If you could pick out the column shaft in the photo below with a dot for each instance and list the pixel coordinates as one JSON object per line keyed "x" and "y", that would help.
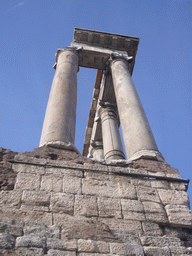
{"x": 60, "y": 117}
{"x": 112, "y": 145}
{"x": 137, "y": 134}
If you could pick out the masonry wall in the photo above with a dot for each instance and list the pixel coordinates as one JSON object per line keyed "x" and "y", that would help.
{"x": 75, "y": 206}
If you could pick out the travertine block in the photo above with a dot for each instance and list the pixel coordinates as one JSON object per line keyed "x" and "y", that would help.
{"x": 85, "y": 205}
{"x": 132, "y": 247}
{"x": 159, "y": 241}
{"x": 38, "y": 216}
{"x": 32, "y": 169}
{"x": 179, "y": 215}
{"x": 53, "y": 252}
{"x": 151, "y": 228}
{"x": 132, "y": 209}
{"x": 96, "y": 167}
{"x": 122, "y": 224}
{"x": 61, "y": 202}
{"x": 7, "y": 241}
{"x": 156, "y": 251}
{"x": 160, "y": 184}
{"x": 147, "y": 194}
{"x": 109, "y": 207}
{"x": 77, "y": 227}
{"x": 58, "y": 244}
{"x": 118, "y": 178}
{"x": 10, "y": 199}
{"x": 140, "y": 182}
{"x": 178, "y": 185}
{"x": 71, "y": 184}
{"x": 52, "y": 183}
{"x": 64, "y": 170}
{"x": 11, "y": 227}
{"x": 36, "y": 200}
{"x": 108, "y": 189}
{"x": 92, "y": 246}
{"x": 181, "y": 250}
{"x": 173, "y": 197}
{"x": 96, "y": 175}
{"x": 155, "y": 212}
{"x": 22, "y": 251}
{"x": 27, "y": 181}
{"x": 40, "y": 229}
{"x": 30, "y": 241}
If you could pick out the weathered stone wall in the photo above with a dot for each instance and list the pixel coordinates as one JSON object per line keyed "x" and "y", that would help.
{"x": 79, "y": 207}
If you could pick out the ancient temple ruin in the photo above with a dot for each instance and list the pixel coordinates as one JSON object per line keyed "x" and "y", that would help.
{"x": 56, "y": 201}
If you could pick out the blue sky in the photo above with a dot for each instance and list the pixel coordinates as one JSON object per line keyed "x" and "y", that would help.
{"x": 32, "y": 30}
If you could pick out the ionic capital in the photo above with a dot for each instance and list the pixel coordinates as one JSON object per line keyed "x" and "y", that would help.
{"x": 75, "y": 50}
{"x": 119, "y": 56}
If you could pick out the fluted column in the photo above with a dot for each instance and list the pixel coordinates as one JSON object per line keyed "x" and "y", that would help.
{"x": 60, "y": 118}
{"x": 112, "y": 145}
{"x": 137, "y": 134}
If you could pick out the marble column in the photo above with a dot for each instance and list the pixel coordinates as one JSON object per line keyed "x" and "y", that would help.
{"x": 112, "y": 145}
{"x": 138, "y": 138}
{"x": 60, "y": 118}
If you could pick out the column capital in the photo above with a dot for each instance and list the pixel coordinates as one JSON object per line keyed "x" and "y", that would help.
{"x": 106, "y": 107}
{"x": 119, "y": 56}
{"x": 68, "y": 48}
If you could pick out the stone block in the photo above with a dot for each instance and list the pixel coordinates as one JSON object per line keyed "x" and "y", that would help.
{"x": 29, "y": 168}
{"x": 86, "y": 205}
{"x": 53, "y": 252}
{"x": 181, "y": 250}
{"x": 96, "y": 167}
{"x": 58, "y": 244}
{"x": 41, "y": 230}
{"x": 109, "y": 207}
{"x": 52, "y": 183}
{"x": 159, "y": 241}
{"x": 178, "y": 185}
{"x": 122, "y": 225}
{"x": 37, "y": 201}
{"x": 140, "y": 182}
{"x": 38, "y": 216}
{"x": 11, "y": 227}
{"x": 105, "y": 188}
{"x": 160, "y": 184}
{"x": 95, "y": 254}
{"x": 115, "y": 178}
{"x": 6, "y": 241}
{"x": 173, "y": 197}
{"x": 155, "y": 212}
{"x": 31, "y": 241}
{"x": 82, "y": 228}
{"x": 156, "y": 251}
{"x": 93, "y": 246}
{"x": 74, "y": 172}
{"x": 96, "y": 175}
{"x": 72, "y": 184}
{"x": 179, "y": 215}
{"x": 151, "y": 228}
{"x": 28, "y": 181}
{"x": 147, "y": 194}
{"x": 132, "y": 209}
{"x": 22, "y": 251}
{"x": 10, "y": 199}
{"x": 132, "y": 247}
{"x": 61, "y": 202}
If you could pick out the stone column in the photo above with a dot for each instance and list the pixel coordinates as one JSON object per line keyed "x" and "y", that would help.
{"x": 138, "y": 138}
{"x": 60, "y": 118}
{"x": 112, "y": 145}
{"x": 96, "y": 150}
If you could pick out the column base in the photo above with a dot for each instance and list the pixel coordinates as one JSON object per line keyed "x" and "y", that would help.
{"x": 61, "y": 145}
{"x": 148, "y": 154}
